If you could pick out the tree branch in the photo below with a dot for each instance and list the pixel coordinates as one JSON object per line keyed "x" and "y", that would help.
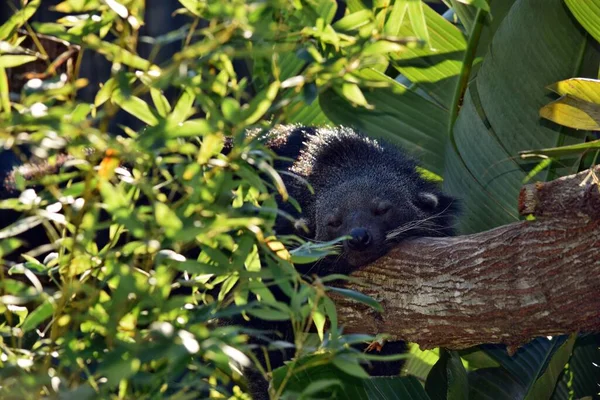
{"x": 507, "y": 285}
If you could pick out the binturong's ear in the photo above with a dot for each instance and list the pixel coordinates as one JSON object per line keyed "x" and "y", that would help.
{"x": 428, "y": 201}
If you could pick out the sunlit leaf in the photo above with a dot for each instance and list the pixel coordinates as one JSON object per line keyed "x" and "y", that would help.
{"x": 573, "y": 112}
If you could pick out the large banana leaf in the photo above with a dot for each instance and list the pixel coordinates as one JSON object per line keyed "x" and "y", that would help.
{"x": 499, "y": 114}
{"x": 400, "y": 115}
{"x": 435, "y": 67}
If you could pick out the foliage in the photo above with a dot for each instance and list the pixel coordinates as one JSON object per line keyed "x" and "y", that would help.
{"x": 145, "y": 259}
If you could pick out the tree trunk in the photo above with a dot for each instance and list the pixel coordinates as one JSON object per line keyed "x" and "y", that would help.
{"x": 507, "y": 285}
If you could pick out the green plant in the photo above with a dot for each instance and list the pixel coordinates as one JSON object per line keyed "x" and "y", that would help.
{"x": 118, "y": 311}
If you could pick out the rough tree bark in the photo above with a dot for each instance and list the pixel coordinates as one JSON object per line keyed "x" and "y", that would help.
{"x": 507, "y": 285}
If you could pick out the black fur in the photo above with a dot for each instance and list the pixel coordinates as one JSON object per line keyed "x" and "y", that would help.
{"x": 361, "y": 187}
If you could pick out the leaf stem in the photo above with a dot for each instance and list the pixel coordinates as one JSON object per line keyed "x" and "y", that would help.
{"x": 467, "y": 65}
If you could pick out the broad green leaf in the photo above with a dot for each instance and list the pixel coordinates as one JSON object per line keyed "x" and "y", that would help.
{"x": 588, "y": 14}
{"x": 434, "y": 68}
{"x": 448, "y": 378}
{"x": 319, "y": 369}
{"x": 573, "y": 112}
{"x": 482, "y": 168}
{"x": 581, "y": 88}
{"x": 477, "y": 3}
{"x": 350, "y": 366}
{"x": 584, "y": 364}
{"x": 544, "y": 385}
{"x": 18, "y": 19}
{"x": 494, "y": 384}
{"x": 420, "y": 362}
{"x": 301, "y": 113}
{"x": 529, "y": 362}
{"x": 417, "y": 19}
{"x": 466, "y": 14}
{"x": 399, "y": 116}
{"x": 396, "y": 18}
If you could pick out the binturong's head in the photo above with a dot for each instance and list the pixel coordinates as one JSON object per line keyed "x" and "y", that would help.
{"x": 372, "y": 193}
{"x": 377, "y": 213}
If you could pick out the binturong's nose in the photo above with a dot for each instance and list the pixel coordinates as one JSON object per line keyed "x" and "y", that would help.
{"x": 360, "y": 240}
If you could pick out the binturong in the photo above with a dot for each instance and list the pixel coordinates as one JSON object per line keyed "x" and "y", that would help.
{"x": 366, "y": 189}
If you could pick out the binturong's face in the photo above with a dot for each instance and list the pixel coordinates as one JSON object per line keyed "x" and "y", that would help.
{"x": 378, "y": 213}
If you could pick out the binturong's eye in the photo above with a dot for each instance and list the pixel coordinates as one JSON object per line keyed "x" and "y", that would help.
{"x": 382, "y": 207}
{"x": 334, "y": 222}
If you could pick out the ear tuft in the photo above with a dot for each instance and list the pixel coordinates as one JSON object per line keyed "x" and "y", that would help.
{"x": 428, "y": 201}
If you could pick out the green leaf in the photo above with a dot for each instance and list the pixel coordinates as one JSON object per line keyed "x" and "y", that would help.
{"x": 417, "y": 19}
{"x": 350, "y": 366}
{"x": 10, "y": 60}
{"x": 477, "y": 3}
{"x": 160, "y": 102}
{"x": 354, "y": 20}
{"x": 167, "y": 218}
{"x": 399, "y": 116}
{"x": 544, "y": 385}
{"x": 494, "y": 384}
{"x": 420, "y": 362}
{"x": 581, "y": 88}
{"x": 105, "y": 92}
{"x": 183, "y": 108}
{"x": 136, "y": 107}
{"x": 191, "y": 127}
{"x": 481, "y": 164}
{"x": 18, "y": 19}
{"x": 193, "y": 6}
{"x": 527, "y": 365}
{"x": 116, "y": 53}
{"x": 255, "y": 110}
{"x": 588, "y": 15}
{"x": 448, "y": 378}
{"x": 269, "y": 314}
{"x": 573, "y": 112}
{"x": 317, "y": 369}
{"x": 4, "y": 92}
{"x": 584, "y": 364}
{"x": 39, "y": 315}
{"x": 362, "y": 298}
{"x": 434, "y": 68}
